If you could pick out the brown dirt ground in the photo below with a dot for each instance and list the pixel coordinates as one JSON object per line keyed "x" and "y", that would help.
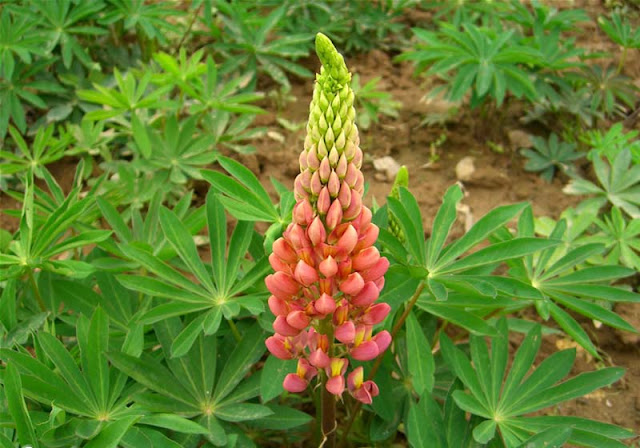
{"x": 501, "y": 179}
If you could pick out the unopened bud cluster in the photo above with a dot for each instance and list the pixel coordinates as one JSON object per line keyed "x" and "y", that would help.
{"x": 328, "y": 275}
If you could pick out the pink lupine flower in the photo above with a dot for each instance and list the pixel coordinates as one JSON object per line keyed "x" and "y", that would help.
{"x": 328, "y": 274}
{"x": 359, "y": 389}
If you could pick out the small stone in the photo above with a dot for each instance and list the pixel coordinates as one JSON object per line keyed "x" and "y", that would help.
{"x": 465, "y": 169}
{"x": 387, "y": 166}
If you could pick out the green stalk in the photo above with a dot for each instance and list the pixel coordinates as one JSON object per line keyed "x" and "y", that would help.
{"x": 234, "y": 330}
{"x": 36, "y": 291}
{"x": 394, "y": 331}
{"x": 622, "y": 60}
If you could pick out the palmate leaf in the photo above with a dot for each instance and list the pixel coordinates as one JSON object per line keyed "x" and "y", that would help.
{"x": 218, "y": 291}
{"x": 190, "y": 385}
{"x": 83, "y": 386}
{"x": 619, "y": 183}
{"x": 620, "y": 238}
{"x": 258, "y": 48}
{"x": 479, "y": 59}
{"x": 44, "y": 231}
{"x": 547, "y": 156}
{"x": 557, "y": 273}
{"x": 445, "y": 268}
{"x": 504, "y": 405}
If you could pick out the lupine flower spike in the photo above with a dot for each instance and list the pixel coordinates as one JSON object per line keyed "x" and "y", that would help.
{"x": 328, "y": 275}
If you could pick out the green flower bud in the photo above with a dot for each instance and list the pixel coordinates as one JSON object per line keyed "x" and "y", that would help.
{"x": 401, "y": 180}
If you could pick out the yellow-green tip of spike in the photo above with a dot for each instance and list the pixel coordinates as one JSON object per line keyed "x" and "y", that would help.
{"x": 402, "y": 177}
{"x": 401, "y": 180}
{"x": 331, "y": 60}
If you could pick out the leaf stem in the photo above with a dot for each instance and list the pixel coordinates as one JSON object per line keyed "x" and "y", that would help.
{"x": 189, "y": 27}
{"x": 234, "y": 330}
{"x": 376, "y": 365}
{"x": 36, "y": 291}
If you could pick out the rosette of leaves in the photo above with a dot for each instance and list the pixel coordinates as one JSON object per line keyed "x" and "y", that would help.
{"x": 619, "y": 30}
{"x": 87, "y": 400}
{"x": 487, "y": 62}
{"x": 539, "y": 17}
{"x": 21, "y": 88}
{"x": 19, "y": 41}
{"x": 499, "y": 399}
{"x": 610, "y": 90}
{"x": 181, "y": 150}
{"x": 222, "y": 288}
{"x": 612, "y": 142}
{"x": 42, "y": 236}
{"x": 547, "y": 156}
{"x": 63, "y": 27}
{"x": 208, "y": 384}
{"x": 621, "y": 239}
{"x": 144, "y": 230}
{"x": 250, "y": 44}
{"x": 619, "y": 183}
{"x": 128, "y": 106}
{"x": 148, "y": 19}
{"x": 371, "y": 102}
{"x": 45, "y": 149}
{"x": 559, "y": 274}
{"x": 479, "y": 11}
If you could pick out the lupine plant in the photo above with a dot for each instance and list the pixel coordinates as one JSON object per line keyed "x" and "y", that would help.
{"x": 328, "y": 273}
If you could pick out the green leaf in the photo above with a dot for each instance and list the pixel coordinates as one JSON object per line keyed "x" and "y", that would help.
{"x": 217, "y": 226}
{"x": 158, "y": 288}
{"x": 488, "y": 224}
{"x": 442, "y": 224}
{"x": 423, "y": 430}
{"x": 173, "y": 422}
{"x": 185, "y": 339}
{"x": 506, "y": 250}
{"x": 273, "y": 374}
{"x": 420, "y": 358}
{"x": 248, "y": 179}
{"x": 150, "y": 374}
{"x": 551, "y": 437}
{"x": 112, "y": 433}
{"x": 239, "y": 412}
{"x": 63, "y": 360}
{"x": 97, "y": 368}
{"x": 156, "y": 266}
{"x": 17, "y": 407}
{"x": 573, "y": 329}
{"x": 575, "y": 387}
{"x": 282, "y": 418}
{"x": 246, "y": 353}
{"x": 182, "y": 241}
{"x": 485, "y": 431}
{"x": 140, "y": 135}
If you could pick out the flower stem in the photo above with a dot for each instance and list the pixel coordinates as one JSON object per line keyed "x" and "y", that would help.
{"x": 36, "y": 291}
{"x": 327, "y": 400}
{"x": 376, "y": 365}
